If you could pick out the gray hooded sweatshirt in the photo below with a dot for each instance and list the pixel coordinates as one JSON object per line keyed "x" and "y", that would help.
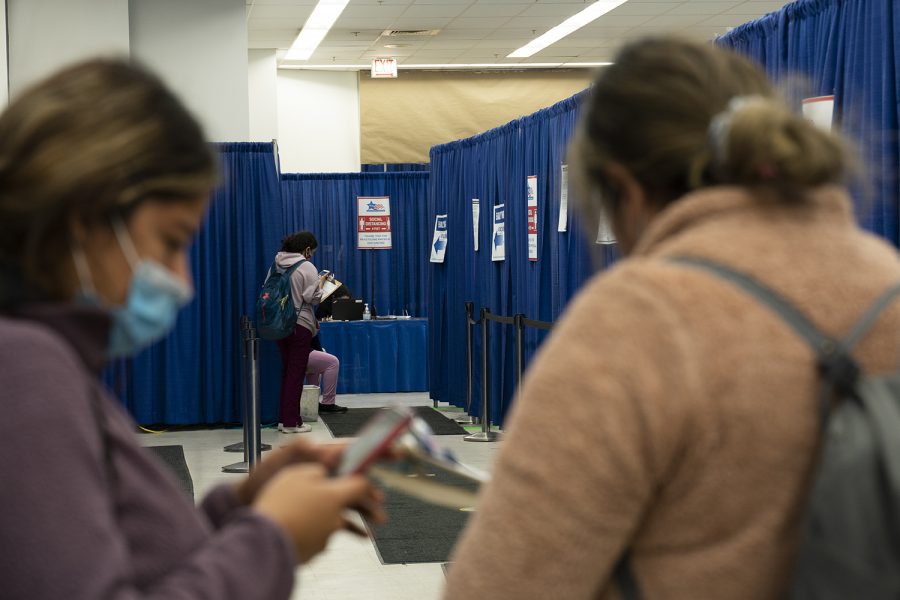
{"x": 305, "y": 288}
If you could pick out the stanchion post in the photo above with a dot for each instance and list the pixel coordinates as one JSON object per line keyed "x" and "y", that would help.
{"x": 470, "y": 309}
{"x": 252, "y": 440}
{"x": 519, "y": 323}
{"x": 249, "y": 402}
{"x": 485, "y": 435}
{"x": 245, "y": 369}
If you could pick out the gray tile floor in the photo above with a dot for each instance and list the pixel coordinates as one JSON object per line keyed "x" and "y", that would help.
{"x": 349, "y": 569}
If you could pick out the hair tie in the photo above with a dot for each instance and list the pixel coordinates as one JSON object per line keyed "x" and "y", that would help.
{"x": 720, "y": 125}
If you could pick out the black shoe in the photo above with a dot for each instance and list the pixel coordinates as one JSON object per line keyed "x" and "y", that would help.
{"x": 331, "y": 408}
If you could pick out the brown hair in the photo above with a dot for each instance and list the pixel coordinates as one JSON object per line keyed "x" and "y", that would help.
{"x": 93, "y": 140}
{"x": 666, "y": 111}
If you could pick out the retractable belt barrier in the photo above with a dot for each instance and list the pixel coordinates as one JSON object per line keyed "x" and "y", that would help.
{"x": 520, "y": 323}
{"x": 250, "y": 401}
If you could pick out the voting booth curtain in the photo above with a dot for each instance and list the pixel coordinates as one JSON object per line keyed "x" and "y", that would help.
{"x": 194, "y": 375}
{"x": 493, "y": 167}
{"x": 846, "y": 49}
{"x": 326, "y": 204}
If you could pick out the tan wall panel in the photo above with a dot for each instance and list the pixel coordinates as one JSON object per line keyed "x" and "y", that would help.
{"x": 401, "y": 119}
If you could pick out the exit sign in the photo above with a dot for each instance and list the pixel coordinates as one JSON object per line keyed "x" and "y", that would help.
{"x": 384, "y": 67}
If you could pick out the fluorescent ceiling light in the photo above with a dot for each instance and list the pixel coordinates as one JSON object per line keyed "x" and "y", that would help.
{"x": 316, "y": 28}
{"x": 573, "y": 23}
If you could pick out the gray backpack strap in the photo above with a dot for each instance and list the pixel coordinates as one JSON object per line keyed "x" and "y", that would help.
{"x": 862, "y": 326}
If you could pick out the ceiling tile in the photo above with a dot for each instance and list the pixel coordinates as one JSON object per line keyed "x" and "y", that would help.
{"x": 364, "y": 11}
{"x": 486, "y": 23}
{"x": 560, "y": 10}
{"x": 406, "y": 23}
{"x": 380, "y": 23}
{"x": 674, "y": 22}
{"x": 434, "y": 10}
{"x": 479, "y": 11}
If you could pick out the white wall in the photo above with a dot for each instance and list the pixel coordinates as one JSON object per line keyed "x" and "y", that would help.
{"x": 4, "y": 70}
{"x": 44, "y": 35}
{"x": 262, "y": 74}
{"x": 318, "y": 121}
{"x": 199, "y": 47}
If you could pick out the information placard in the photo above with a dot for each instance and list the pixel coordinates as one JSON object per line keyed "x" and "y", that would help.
{"x": 439, "y": 241}
{"x": 498, "y": 235}
{"x": 373, "y": 223}
{"x": 532, "y": 218}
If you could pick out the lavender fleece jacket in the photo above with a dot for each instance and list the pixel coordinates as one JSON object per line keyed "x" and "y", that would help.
{"x": 75, "y": 526}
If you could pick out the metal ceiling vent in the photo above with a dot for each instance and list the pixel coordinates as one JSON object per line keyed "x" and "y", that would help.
{"x": 409, "y": 32}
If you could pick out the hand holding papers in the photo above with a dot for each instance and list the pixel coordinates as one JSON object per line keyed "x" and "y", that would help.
{"x": 330, "y": 284}
{"x": 417, "y": 458}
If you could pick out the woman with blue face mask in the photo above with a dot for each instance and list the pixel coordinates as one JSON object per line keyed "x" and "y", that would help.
{"x": 104, "y": 180}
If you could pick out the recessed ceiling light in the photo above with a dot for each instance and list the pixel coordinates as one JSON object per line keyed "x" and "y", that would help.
{"x": 573, "y": 23}
{"x": 396, "y": 45}
{"x": 316, "y": 28}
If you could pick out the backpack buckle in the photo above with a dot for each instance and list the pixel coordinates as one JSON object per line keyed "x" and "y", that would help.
{"x": 838, "y": 368}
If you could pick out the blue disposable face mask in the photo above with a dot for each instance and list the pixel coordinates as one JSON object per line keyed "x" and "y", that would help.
{"x": 155, "y": 296}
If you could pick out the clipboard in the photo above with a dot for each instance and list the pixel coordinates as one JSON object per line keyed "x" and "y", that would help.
{"x": 331, "y": 284}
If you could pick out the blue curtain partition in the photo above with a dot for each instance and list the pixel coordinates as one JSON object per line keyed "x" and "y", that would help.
{"x": 846, "y": 48}
{"x": 194, "y": 375}
{"x": 326, "y": 205}
{"x": 493, "y": 167}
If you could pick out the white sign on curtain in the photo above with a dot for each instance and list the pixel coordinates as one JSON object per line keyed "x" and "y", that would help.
{"x": 476, "y": 215}
{"x": 439, "y": 241}
{"x": 819, "y": 111}
{"x": 373, "y": 223}
{"x": 563, "y": 198}
{"x": 498, "y": 234}
{"x": 532, "y": 186}
{"x": 605, "y": 233}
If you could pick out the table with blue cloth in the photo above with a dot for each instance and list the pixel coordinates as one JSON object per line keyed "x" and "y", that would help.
{"x": 378, "y": 356}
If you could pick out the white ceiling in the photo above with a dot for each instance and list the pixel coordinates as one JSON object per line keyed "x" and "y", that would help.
{"x": 485, "y": 31}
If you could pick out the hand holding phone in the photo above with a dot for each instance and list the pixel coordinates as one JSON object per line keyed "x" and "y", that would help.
{"x": 374, "y": 440}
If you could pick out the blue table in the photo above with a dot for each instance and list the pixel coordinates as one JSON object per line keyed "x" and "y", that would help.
{"x": 379, "y": 356}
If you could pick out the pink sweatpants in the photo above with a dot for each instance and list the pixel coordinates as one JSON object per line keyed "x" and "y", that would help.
{"x": 327, "y": 366}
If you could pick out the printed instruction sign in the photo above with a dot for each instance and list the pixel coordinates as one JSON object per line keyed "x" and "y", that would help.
{"x": 532, "y": 185}
{"x": 498, "y": 234}
{"x": 819, "y": 111}
{"x": 476, "y": 216}
{"x": 439, "y": 242}
{"x": 373, "y": 223}
{"x": 563, "y": 198}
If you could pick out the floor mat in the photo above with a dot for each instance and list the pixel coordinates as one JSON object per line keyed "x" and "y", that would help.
{"x": 349, "y": 423}
{"x": 173, "y": 456}
{"x": 416, "y": 531}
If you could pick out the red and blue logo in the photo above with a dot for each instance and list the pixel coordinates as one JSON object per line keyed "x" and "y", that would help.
{"x": 373, "y": 206}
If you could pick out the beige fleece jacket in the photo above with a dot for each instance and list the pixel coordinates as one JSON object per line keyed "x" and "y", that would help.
{"x": 671, "y": 414}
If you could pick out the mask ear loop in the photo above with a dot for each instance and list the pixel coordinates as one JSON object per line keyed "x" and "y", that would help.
{"x": 125, "y": 242}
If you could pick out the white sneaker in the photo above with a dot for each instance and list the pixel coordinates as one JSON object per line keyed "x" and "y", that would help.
{"x": 304, "y": 428}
